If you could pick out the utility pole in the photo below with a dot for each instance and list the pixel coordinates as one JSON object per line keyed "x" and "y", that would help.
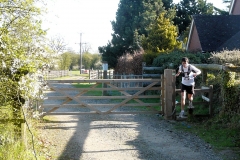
{"x": 80, "y": 44}
{"x": 80, "y": 53}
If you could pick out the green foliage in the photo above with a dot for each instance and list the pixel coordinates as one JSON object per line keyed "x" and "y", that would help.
{"x": 22, "y": 56}
{"x": 96, "y": 62}
{"x": 17, "y": 151}
{"x": 214, "y": 78}
{"x": 167, "y": 4}
{"x": 91, "y": 61}
{"x": 64, "y": 61}
{"x": 133, "y": 20}
{"x": 149, "y": 57}
{"x": 21, "y": 50}
{"x": 226, "y": 95}
{"x": 186, "y": 8}
{"x": 110, "y": 54}
{"x": 226, "y": 88}
{"x": 162, "y": 37}
{"x": 8, "y": 138}
{"x": 71, "y": 60}
{"x": 75, "y": 60}
{"x": 173, "y": 59}
{"x": 230, "y": 94}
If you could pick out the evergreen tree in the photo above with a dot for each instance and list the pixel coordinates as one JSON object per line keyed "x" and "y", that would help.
{"x": 96, "y": 59}
{"x": 161, "y": 38}
{"x": 168, "y": 4}
{"x": 186, "y": 8}
{"x": 133, "y": 19}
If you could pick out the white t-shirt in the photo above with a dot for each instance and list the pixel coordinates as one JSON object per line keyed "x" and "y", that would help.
{"x": 188, "y": 80}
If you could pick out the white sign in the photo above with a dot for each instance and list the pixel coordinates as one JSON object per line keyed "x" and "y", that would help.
{"x": 105, "y": 66}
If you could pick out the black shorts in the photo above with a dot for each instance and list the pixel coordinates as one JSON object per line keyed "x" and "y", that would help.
{"x": 188, "y": 89}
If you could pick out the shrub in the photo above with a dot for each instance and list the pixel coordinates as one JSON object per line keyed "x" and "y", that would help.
{"x": 229, "y": 83}
{"x": 226, "y": 57}
{"x": 130, "y": 63}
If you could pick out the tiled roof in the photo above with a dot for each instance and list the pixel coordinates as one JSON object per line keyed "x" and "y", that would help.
{"x": 215, "y": 31}
{"x": 231, "y": 44}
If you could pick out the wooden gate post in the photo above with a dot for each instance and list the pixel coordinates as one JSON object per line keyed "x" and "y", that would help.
{"x": 211, "y": 99}
{"x": 105, "y": 70}
{"x": 169, "y": 93}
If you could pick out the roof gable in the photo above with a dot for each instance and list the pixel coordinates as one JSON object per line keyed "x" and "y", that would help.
{"x": 215, "y": 30}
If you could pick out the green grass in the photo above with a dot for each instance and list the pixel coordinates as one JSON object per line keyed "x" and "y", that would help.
{"x": 12, "y": 146}
{"x": 77, "y": 73}
{"x": 218, "y": 135}
{"x": 115, "y": 93}
{"x": 213, "y": 130}
{"x": 87, "y": 85}
{"x": 200, "y": 109}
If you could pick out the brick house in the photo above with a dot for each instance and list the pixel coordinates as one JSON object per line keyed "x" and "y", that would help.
{"x": 209, "y": 33}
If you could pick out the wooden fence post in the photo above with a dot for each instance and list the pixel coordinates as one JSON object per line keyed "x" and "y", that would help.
{"x": 169, "y": 90}
{"x": 143, "y": 65}
{"x": 24, "y": 134}
{"x": 173, "y": 93}
{"x": 204, "y": 77}
{"x": 211, "y": 99}
{"x": 162, "y": 94}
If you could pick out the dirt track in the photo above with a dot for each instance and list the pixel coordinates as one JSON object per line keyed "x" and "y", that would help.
{"x": 122, "y": 137}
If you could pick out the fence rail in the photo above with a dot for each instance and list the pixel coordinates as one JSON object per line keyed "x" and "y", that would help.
{"x": 55, "y": 74}
{"x": 99, "y": 74}
{"x": 151, "y": 72}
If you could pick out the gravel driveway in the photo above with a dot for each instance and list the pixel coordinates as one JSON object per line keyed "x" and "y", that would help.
{"x": 121, "y": 137}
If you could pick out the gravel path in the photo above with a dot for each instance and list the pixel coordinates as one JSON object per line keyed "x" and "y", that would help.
{"x": 121, "y": 137}
{"x": 125, "y": 137}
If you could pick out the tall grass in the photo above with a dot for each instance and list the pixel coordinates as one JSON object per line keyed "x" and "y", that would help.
{"x": 13, "y": 145}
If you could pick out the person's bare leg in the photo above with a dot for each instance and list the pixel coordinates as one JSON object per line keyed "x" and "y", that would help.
{"x": 190, "y": 98}
{"x": 183, "y": 98}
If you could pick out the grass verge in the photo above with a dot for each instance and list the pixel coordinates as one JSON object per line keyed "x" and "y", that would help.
{"x": 220, "y": 136}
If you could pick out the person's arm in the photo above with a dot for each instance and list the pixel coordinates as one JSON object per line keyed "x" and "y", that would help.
{"x": 196, "y": 70}
{"x": 179, "y": 71}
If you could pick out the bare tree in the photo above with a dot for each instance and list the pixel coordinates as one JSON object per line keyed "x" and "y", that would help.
{"x": 86, "y": 47}
{"x": 57, "y": 44}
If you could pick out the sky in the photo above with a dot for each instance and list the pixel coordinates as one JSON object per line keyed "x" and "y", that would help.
{"x": 68, "y": 19}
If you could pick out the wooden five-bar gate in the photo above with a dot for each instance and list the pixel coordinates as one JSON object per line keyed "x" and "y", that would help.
{"x": 114, "y": 96}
